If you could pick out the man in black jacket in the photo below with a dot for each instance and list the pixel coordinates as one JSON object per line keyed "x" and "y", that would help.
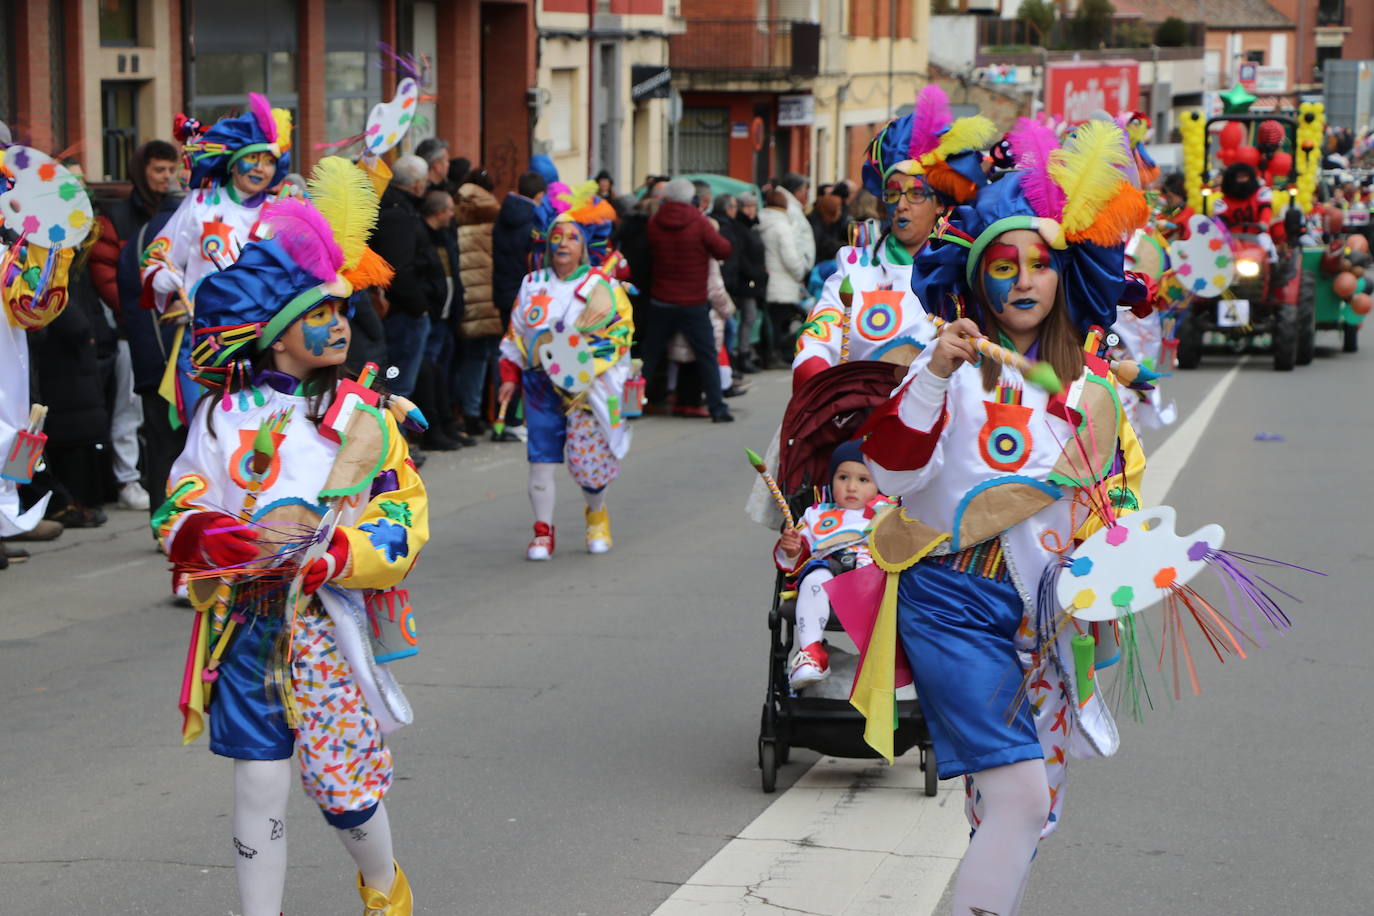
{"x": 403, "y": 239}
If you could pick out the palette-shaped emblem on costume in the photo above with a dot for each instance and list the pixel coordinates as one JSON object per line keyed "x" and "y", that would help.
{"x": 240, "y": 468}
{"x": 388, "y": 122}
{"x": 47, "y": 202}
{"x": 1132, "y": 565}
{"x": 880, "y": 316}
{"x": 1202, "y": 262}
{"x": 1005, "y": 439}
{"x": 566, "y": 355}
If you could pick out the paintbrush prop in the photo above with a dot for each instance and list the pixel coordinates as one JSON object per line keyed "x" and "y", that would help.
{"x": 846, "y": 300}
{"x": 772, "y": 485}
{"x": 1039, "y": 374}
{"x": 499, "y": 426}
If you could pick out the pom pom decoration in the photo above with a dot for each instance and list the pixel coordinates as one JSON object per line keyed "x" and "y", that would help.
{"x": 930, "y": 119}
{"x": 306, "y": 237}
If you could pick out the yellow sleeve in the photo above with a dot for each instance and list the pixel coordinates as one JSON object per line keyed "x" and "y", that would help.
{"x": 386, "y": 540}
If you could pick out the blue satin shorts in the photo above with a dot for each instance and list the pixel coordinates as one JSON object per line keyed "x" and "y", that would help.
{"x": 957, "y": 629}
{"x": 247, "y": 721}
{"x": 546, "y": 422}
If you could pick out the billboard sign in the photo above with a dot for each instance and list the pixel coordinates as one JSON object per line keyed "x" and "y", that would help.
{"x": 1075, "y": 89}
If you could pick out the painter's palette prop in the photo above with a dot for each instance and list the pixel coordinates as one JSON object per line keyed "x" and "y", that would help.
{"x": 388, "y": 122}
{"x": 1202, "y": 262}
{"x": 47, "y": 203}
{"x": 1132, "y": 565}
{"x": 566, "y": 355}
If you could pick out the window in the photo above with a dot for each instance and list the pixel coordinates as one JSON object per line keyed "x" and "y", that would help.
{"x": 352, "y": 78}
{"x": 118, "y": 127}
{"x": 242, "y": 47}
{"x": 704, "y": 137}
{"x": 118, "y": 23}
{"x": 1255, "y": 57}
{"x": 1330, "y": 12}
{"x": 562, "y": 104}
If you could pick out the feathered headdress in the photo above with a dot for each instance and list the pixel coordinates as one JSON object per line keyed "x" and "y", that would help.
{"x": 1075, "y": 196}
{"x": 579, "y": 205}
{"x": 317, "y": 250}
{"x": 929, "y": 142}
{"x": 261, "y": 129}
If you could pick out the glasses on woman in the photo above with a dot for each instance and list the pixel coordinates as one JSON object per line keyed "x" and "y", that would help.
{"x": 914, "y": 194}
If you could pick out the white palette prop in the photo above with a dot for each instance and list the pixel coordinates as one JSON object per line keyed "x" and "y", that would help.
{"x": 1126, "y": 568}
{"x": 566, "y": 356}
{"x": 388, "y": 122}
{"x": 1202, "y": 262}
{"x": 47, "y": 203}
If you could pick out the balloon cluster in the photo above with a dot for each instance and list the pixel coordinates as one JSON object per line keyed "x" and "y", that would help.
{"x": 1350, "y": 261}
{"x": 1311, "y": 125}
{"x": 1193, "y": 127}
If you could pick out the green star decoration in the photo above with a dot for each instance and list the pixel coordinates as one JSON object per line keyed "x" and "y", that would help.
{"x": 1237, "y": 100}
{"x": 397, "y": 512}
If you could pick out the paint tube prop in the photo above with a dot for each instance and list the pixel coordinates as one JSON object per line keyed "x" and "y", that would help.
{"x": 21, "y": 460}
{"x": 1039, "y": 374}
{"x": 772, "y": 485}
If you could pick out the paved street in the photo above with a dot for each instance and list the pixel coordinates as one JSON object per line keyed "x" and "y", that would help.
{"x": 584, "y": 736}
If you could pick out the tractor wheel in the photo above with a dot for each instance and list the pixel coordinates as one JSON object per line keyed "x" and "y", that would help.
{"x": 1285, "y": 338}
{"x": 1307, "y": 319}
{"x": 1352, "y": 338}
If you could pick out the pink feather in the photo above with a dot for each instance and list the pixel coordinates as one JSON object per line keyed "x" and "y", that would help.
{"x": 305, "y": 235}
{"x": 1031, "y": 144}
{"x": 262, "y": 113}
{"x": 929, "y": 119}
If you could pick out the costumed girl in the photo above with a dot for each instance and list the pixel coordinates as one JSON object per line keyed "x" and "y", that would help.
{"x": 918, "y": 165}
{"x": 294, "y": 513}
{"x": 568, "y": 349}
{"x": 997, "y": 477}
{"x": 47, "y": 204}
{"x": 233, "y": 166}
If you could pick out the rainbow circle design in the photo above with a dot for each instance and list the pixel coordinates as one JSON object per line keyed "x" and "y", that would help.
{"x": 535, "y": 314}
{"x": 879, "y": 320}
{"x": 823, "y": 324}
{"x": 1007, "y": 444}
{"x": 828, "y": 522}
{"x": 408, "y": 631}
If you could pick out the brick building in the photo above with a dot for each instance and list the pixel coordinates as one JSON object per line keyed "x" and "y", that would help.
{"x": 101, "y": 76}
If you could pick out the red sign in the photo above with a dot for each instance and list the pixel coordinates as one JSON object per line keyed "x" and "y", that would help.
{"x": 1075, "y": 89}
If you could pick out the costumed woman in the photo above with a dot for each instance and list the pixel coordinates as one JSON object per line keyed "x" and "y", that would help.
{"x": 568, "y": 350}
{"x": 918, "y": 165}
{"x": 996, "y": 483}
{"x": 295, "y": 513}
{"x": 233, "y": 166}
{"x": 48, "y": 204}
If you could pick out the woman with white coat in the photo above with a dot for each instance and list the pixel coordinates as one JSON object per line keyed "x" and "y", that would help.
{"x": 787, "y": 268}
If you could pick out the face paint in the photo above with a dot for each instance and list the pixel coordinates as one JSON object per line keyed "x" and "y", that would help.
{"x": 1000, "y": 269}
{"x": 318, "y": 327}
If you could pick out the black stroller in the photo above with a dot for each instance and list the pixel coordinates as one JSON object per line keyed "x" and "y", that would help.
{"x": 828, "y": 409}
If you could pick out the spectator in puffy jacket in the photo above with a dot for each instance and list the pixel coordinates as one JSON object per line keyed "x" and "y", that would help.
{"x": 403, "y": 240}
{"x": 787, "y": 268}
{"x": 682, "y": 242}
{"x": 481, "y": 325}
{"x": 798, "y": 188}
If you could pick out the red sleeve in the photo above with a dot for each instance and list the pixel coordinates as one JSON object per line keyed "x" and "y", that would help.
{"x": 509, "y": 371}
{"x": 104, "y": 261}
{"x": 814, "y": 365}
{"x": 893, "y": 444}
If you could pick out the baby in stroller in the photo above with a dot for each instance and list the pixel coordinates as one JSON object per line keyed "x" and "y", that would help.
{"x": 832, "y": 538}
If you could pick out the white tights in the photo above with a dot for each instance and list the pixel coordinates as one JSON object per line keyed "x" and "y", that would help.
{"x": 996, "y": 868}
{"x": 813, "y": 607}
{"x": 261, "y": 788}
{"x": 541, "y": 487}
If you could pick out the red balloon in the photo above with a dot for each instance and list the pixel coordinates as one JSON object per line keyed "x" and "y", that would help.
{"x": 1280, "y": 164}
{"x": 1270, "y": 133}
{"x": 1357, "y": 243}
{"x": 1361, "y": 303}
{"x": 1227, "y": 156}
{"x": 1249, "y": 155}
{"x": 1344, "y": 285}
{"x": 1232, "y": 135}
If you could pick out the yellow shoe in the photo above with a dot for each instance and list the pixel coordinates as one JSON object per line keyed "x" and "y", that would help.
{"x": 598, "y": 530}
{"x": 397, "y": 903}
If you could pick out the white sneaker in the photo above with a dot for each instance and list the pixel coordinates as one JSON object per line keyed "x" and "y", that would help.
{"x": 810, "y": 665}
{"x": 133, "y": 496}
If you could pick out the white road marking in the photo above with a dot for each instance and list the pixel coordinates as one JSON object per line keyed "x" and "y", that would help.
{"x": 856, "y": 838}
{"x": 1163, "y": 465}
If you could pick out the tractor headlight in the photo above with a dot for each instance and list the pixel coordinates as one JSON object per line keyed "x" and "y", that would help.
{"x": 1247, "y": 268}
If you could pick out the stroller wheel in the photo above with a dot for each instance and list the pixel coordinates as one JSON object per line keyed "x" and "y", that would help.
{"x": 932, "y": 777}
{"x": 768, "y": 760}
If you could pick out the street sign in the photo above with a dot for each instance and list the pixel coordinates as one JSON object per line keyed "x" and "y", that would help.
{"x": 796, "y": 110}
{"x": 1075, "y": 89}
{"x": 650, "y": 82}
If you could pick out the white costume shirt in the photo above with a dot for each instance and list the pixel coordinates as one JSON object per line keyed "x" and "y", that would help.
{"x": 206, "y": 233}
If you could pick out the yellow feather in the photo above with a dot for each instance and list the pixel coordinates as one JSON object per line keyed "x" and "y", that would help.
{"x": 1086, "y": 167}
{"x": 581, "y": 195}
{"x": 343, "y": 194}
{"x": 283, "y": 119}
{"x": 964, "y": 134}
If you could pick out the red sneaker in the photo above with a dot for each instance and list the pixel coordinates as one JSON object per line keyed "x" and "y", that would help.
{"x": 810, "y": 665}
{"x": 541, "y": 548}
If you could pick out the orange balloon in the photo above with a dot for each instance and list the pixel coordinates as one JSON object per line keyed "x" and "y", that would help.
{"x": 1344, "y": 285}
{"x": 1357, "y": 243}
{"x": 1361, "y": 303}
